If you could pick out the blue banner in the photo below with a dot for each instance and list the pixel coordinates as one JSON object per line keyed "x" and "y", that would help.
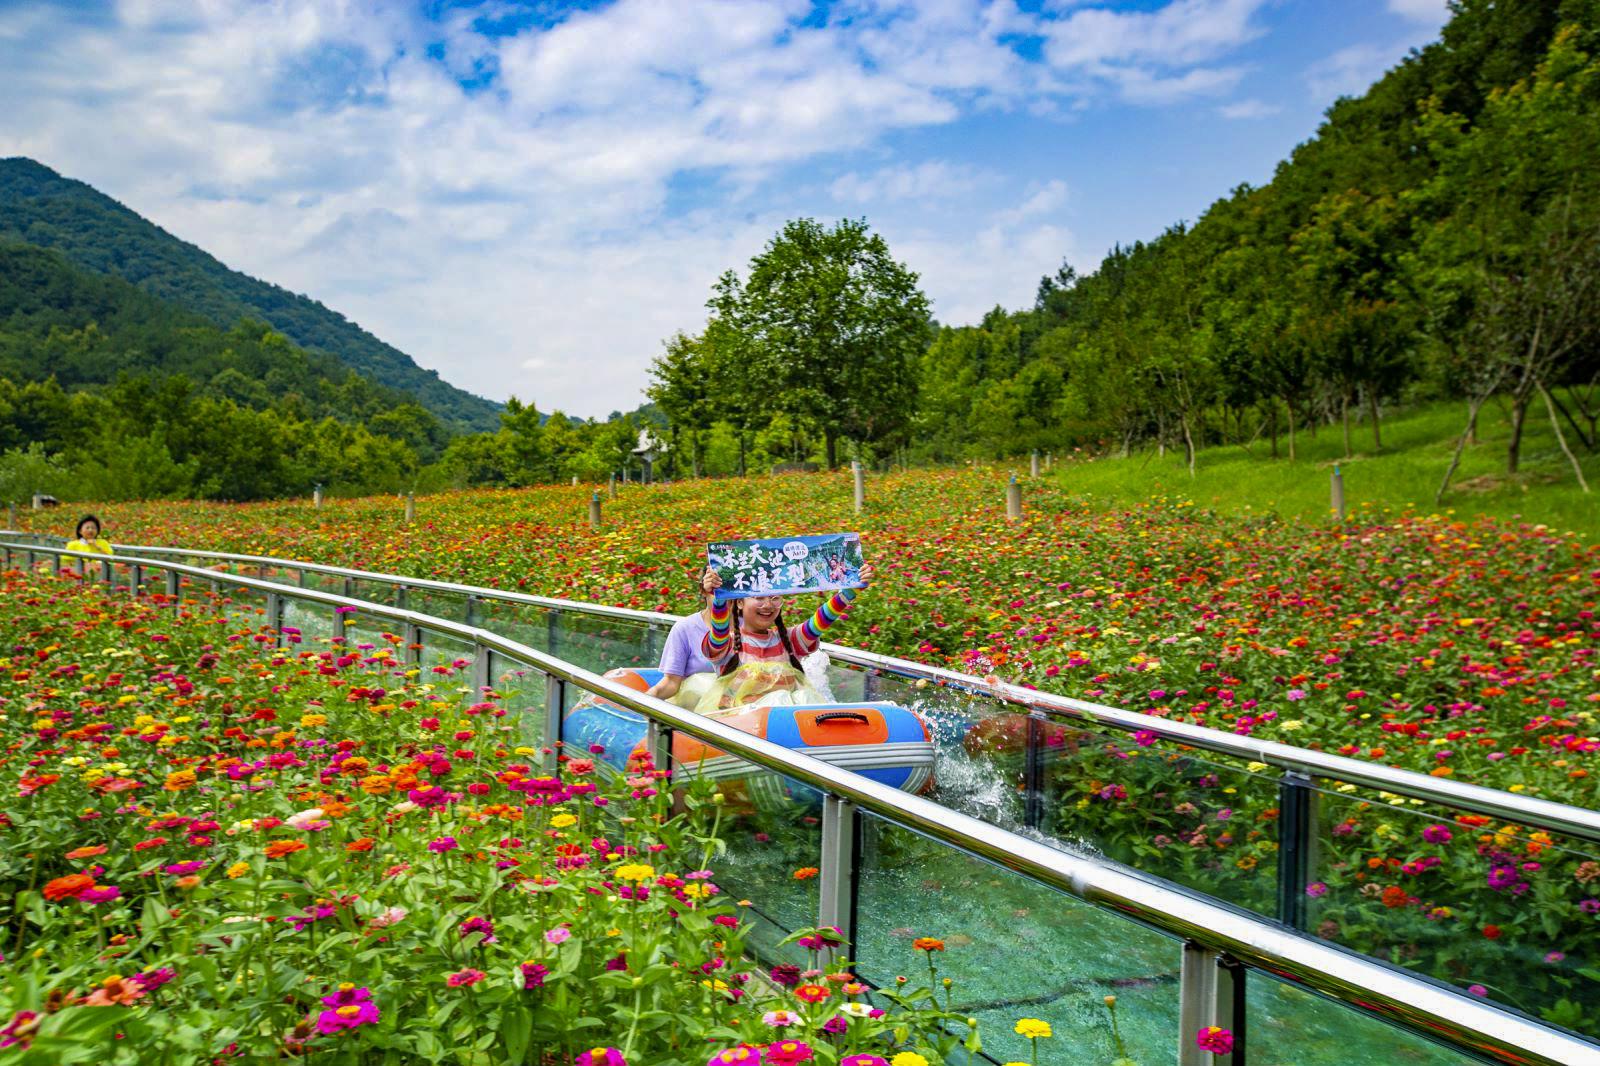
{"x": 783, "y": 566}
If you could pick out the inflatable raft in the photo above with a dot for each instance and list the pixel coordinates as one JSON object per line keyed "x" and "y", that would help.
{"x": 881, "y": 741}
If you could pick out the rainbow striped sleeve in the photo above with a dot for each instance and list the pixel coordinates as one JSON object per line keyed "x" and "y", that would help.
{"x": 830, "y": 612}
{"x": 719, "y": 638}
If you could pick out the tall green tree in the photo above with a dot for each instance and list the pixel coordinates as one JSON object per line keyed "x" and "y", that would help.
{"x": 833, "y": 325}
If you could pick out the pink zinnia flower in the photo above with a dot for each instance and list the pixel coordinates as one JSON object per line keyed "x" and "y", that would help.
{"x": 100, "y": 894}
{"x": 863, "y": 1060}
{"x": 349, "y": 1008}
{"x": 558, "y": 935}
{"x": 1215, "y": 1040}
{"x": 533, "y": 974}
{"x": 465, "y": 977}
{"x": 600, "y": 1056}
{"x": 778, "y": 1019}
{"x": 787, "y": 1052}
{"x": 442, "y": 845}
{"x": 743, "y": 1055}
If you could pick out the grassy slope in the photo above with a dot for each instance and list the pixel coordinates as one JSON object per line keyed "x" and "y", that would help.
{"x": 1405, "y": 474}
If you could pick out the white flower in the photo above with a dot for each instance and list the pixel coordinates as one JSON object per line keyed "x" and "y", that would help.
{"x": 856, "y": 1010}
{"x": 304, "y": 818}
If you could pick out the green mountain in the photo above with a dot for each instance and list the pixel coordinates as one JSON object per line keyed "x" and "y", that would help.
{"x": 40, "y": 207}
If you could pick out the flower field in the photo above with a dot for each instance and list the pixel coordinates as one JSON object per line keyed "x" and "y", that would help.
{"x": 1451, "y": 648}
{"x": 1463, "y": 650}
{"x": 221, "y": 847}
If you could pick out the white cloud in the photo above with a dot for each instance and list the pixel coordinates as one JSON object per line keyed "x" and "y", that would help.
{"x": 1350, "y": 71}
{"x": 1432, "y": 12}
{"x": 1247, "y": 109}
{"x": 540, "y": 233}
{"x": 933, "y": 180}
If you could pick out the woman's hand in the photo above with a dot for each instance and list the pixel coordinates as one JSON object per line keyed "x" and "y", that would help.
{"x": 710, "y": 582}
{"x": 866, "y": 574}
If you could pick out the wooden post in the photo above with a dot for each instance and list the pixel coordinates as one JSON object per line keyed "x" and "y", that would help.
{"x": 411, "y": 507}
{"x": 1013, "y": 500}
{"x": 1337, "y": 492}
{"x": 594, "y": 510}
{"x": 574, "y": 480}
{"x": 611, "y": 489}
{"x": 1033, "y": 464}
{"x": 861, "y": 486}
{"x": 316, "y": 497}
{"x": 1048, "y": 461}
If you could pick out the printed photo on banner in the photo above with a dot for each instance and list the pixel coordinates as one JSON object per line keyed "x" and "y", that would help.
{"x": 781, "y": 566}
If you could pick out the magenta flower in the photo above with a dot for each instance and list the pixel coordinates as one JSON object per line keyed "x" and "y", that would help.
{"x": 600, "y": 1056}
{"x": 464, "y": 978}
{"x": 100, "y": 894}
{"x": 836, "y": 1025}
{"x": 743, "y": 1055}
{"x": 863, "y": 1060}
{"x": 1437, "y": 834}
{"x": 442, "y": 845}
{"x": 479, "y": 925}
{"x": 1317, "y": 888}
{"x": 788, "y": 1052}
{"x": 533, "y": 974}
{"x": 349, "y": 1008}
{"x": 1215, "y": 1040}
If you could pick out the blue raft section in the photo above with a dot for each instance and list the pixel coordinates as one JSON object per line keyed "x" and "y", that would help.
{"x": 881, "y": 741}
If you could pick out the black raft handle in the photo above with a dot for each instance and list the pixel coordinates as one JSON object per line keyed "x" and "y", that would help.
{"x": 836, "y": 716}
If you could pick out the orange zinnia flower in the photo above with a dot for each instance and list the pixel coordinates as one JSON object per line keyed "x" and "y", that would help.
{"x": 86, "y": 852}
{"x": 805, "y": 873}
{"x": 928, "y": 943}
{"x": 68, "y": 887}
{"x": 279, "y": 848}
{"x": 813, "y": 993}
{"x": 364, "y": 844}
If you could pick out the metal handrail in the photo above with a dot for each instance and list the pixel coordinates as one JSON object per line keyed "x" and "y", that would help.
{"x": 1435, "y": 1010}
{"x": 1578, "y": 822}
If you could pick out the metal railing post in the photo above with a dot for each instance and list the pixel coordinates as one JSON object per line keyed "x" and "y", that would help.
{"x": 1033, "y": 774}
{"x": 555, "y": 702}
{"x": 340, "y": 628}
{"x": 1296, "y": 845}
{"x": 411, "y": 653}
{"x": 401, "y": 595}
{"x": 480, "y": 669}
{"x": 136, "y": 579}
{"x": 836, "y": 879}
{"x": 350, "y": 588}
{"x": 106, "y": 573}
{"x": 472, "y": 611}
{"x": 174, "y": 583}
{"x": 658, "y": 743}
{"x": 1210, "y": 993}
{"x": 552, "y": 628}
{"x": 275, "y": 618}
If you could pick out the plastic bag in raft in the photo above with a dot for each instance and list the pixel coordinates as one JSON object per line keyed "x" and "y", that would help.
{"x": 767, "y": 684}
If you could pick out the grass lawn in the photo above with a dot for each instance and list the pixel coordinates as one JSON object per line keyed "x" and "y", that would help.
{"x": 1403, "y": 475}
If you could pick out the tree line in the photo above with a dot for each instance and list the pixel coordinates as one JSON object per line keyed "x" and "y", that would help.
{"x": 1438, "y": 237}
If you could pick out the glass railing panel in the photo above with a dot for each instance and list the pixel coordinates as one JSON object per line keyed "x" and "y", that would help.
{"x": 1508, "y": 911}
{"x": 311, "y": 622}
{"x": 1198, "y": 821}
{"x": 446, "y": 660}
{"x": 1287, "y": 1025}
{"x": 450, "y": 605}
{"x": 599, "y": 644}
{"x": 1013, "y": 949}
{"x": 772, "y": 830}
{"x": 520, "y": 691}
{"x": 520, "y": 622}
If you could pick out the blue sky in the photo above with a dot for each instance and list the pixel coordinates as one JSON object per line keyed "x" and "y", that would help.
{"x": 530, "y": 197}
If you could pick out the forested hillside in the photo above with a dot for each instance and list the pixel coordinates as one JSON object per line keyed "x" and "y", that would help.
{"x": 1439, "y": 237}
{"x": 40, "y": 207}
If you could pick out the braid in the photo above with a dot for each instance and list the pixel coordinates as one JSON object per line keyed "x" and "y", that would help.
{"x": 735, "y": 653}
{"x": 783, "y": 635}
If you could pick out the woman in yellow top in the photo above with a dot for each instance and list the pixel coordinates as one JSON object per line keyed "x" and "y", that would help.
{"x": 89, "y": 538}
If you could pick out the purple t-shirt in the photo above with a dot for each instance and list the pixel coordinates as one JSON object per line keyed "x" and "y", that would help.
{"x": 684, "y": 654}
